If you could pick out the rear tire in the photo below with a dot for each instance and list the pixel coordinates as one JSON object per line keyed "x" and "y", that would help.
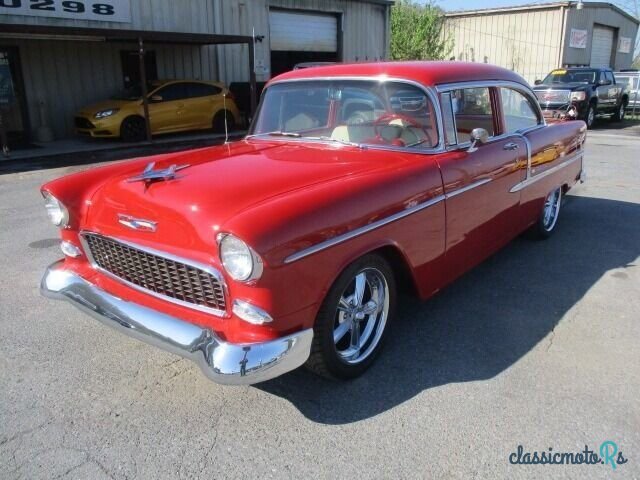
{"x": 354, "y": 319}
{"x": 218, "y": 122}
{"x": 619, "y": 115}
{"x": 546, "y": 224}
{"x": 133, "y": 129}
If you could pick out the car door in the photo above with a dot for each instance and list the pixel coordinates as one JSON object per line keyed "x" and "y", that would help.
{"x": 482, "y": 213}
{"x": 167, "y": 108}
{"x": 606, "y": 94}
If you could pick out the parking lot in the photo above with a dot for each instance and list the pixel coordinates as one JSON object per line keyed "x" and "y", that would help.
{"x": 536, "y": 347}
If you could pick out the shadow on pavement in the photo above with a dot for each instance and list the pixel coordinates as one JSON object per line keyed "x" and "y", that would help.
{"x": 483, "y": 323}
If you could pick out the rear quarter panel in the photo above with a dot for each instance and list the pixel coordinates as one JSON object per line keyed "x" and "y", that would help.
{"x": 558, "y": 148}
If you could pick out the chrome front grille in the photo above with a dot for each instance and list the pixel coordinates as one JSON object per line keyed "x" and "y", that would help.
{"x": 159, "y": 274}
{"x": 553, "y": 96}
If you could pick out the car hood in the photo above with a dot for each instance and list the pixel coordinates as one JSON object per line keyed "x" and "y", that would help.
{"x": 94, "y": 108}
{"x": 214, "y": 185}
{"x": 562, "y": 86}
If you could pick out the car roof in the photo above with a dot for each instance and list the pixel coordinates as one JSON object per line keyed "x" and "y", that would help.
{"x": 428, "y": 73}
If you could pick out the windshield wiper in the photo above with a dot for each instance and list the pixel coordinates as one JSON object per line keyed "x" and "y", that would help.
{"x": 324, "y": 138}
{"x": 276, "y": 133}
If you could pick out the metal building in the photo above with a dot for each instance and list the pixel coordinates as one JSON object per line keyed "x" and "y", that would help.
{"x": 58, "y": 56}
{"x": 534, "y": 39}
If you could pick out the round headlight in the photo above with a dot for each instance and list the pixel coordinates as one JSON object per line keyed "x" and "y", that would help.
{"x": 240, "y": 262}
{"x": 57, "y": 212}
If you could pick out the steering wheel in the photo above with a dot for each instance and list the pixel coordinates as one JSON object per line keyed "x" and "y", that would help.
{"x": 387, "y": 118}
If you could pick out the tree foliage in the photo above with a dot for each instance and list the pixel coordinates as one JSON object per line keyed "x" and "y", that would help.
{"x": 417, "y": 32}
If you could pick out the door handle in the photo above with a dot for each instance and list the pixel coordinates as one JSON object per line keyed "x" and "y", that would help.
{"x": 511, "y": 146}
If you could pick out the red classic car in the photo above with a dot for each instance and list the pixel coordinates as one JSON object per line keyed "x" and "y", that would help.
{"x": 290, "y": 246}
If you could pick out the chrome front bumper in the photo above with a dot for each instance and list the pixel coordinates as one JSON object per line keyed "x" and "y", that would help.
{"x": 224, "y": 363}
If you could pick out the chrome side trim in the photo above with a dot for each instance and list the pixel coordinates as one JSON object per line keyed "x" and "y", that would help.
{"x": 533, "y": 179}
{"x": 361, "y": 230}
{"x": 381, "y": 78}
{"x": 466, "y": 188}
{"x": 207, "y": 268}
{"x": 223, "y": 362}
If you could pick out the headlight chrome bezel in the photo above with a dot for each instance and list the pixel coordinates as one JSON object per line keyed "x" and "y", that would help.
{"x": 256, "y": 268}
{"x": 51, "y": 203}
{"x": 106, "y": 113}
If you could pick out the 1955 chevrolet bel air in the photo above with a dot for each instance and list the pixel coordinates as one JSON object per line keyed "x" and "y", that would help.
{"x": 289, "y": 247}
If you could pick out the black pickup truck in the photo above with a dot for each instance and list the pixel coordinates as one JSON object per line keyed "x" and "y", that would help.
{"x": 582, "y": 92}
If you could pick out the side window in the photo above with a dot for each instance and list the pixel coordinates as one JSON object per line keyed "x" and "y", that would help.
{"x": 518, "y": 111}
{"x": 195, "y": 90}
{"x": 610, "y": 77}
{"x": 472, "y": 109}
{"x": 175, "y": 91}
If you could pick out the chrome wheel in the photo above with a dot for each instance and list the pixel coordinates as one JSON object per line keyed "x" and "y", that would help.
{"x": 361, "y": 316}
{"x": 551, "y": 210}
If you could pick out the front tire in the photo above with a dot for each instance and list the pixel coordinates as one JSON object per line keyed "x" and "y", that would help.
{"x": 548, "y": 219}
{"x": 619, "y": 115}
{"x": 590, "y": 116}
{"x": 133, "y": 129}
{"x": 354, "y": 319}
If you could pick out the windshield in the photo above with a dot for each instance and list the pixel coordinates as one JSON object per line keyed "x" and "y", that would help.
{"x": 571, "y": 76}
{"x": 349, "y": 111}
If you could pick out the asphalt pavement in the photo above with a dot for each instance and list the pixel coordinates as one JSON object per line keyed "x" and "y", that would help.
{"x": 538, "y": 346}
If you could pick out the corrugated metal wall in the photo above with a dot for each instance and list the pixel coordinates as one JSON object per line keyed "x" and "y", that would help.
{"x": 527, "y": 42}
{"x": 585, "y": 19}
{"x": 69, "y": 74}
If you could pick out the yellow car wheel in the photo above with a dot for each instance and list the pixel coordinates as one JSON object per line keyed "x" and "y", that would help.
{"x": 133, "y": 129}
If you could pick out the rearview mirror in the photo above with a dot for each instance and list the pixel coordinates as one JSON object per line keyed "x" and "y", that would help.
{"x": 156, "y": 98}
{"x": 478, "y": 135}
{"x": 538, "y": 82}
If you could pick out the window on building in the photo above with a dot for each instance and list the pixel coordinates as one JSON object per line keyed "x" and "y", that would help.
{"x": 518, "y": 111}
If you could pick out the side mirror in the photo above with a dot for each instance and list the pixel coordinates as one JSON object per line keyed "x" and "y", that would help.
{"x": 538, "y": 82}
{"x": 156, "y": 98}
{"x": 604, "y": 82}
{"x": 478, "y": 135}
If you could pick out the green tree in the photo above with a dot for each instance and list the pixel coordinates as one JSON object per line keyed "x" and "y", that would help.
{"x": 417, "y": 32}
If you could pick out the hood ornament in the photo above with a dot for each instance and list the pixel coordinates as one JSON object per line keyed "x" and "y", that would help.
{"x": 149, "y": 174}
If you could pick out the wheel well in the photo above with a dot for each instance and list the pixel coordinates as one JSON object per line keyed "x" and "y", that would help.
{"x": 400, "y": 267}
{"x": 593, "y": 101}
{"x": 625, "y": 99}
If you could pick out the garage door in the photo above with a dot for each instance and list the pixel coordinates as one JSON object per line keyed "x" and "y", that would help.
{"x": 303, "y": 32}
{"x": 601, "y": 46}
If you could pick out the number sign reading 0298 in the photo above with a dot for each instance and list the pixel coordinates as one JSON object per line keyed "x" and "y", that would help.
{"x": 100, "y": 10}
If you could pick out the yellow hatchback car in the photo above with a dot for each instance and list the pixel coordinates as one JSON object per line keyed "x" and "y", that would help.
{"x": 174, "y": 106}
